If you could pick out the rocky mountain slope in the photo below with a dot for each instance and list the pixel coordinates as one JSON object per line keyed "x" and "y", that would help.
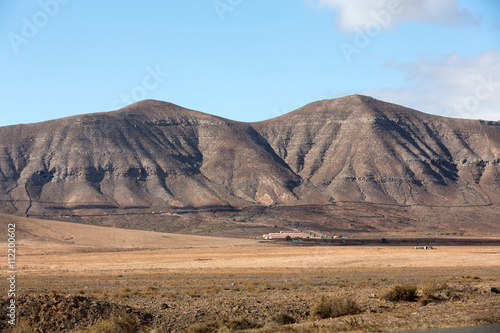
{"x": 154, "y": 155}
{"x": 360, "y": 149}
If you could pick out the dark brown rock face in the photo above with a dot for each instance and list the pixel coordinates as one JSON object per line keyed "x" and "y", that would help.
{"x": 155, "y": 155}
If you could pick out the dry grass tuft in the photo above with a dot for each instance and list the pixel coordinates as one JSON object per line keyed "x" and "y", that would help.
{"x": 241, "y": 323}
{"x": 327, "y": 307}
{"x": 170, "y": 294}
{"x": 194, "y": 292}
{"x": 211, "y": 290}
{"x": 113, "y": 325}
{"x": 401, "y": 292}
{"x": 433, "y": 286}
{"x": 210, "y": 327}
{"x": 235, "y": 324}
{"x": 22, "y": 328}
{"x": 267, "y": 286}
{"x": 151, "y": 289}
{"x": 280, "y": 318}
{"x": 288, "y": 286}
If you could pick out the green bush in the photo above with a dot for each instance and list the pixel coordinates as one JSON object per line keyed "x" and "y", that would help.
{"x": 327, "y": 307}
{"x": 401, "y": 292}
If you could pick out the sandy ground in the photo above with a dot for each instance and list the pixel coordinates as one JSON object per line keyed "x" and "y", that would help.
{"x": 206, "y": 278}
{"x": 48, "y": 245}
{"x": 255, "y": 255}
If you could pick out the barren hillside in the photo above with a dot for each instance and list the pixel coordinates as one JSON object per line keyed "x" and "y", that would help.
{"x": 155, "y": 156}
{"x": 360, "y": 149}
{"x": 35, "y": 236}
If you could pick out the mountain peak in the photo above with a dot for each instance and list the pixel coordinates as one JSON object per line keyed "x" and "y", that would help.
{"x": 147, "y": 103}
{"x": 358, "y": 97}
{"x": 343, "y": 108}
{"x": 160, "y": 110}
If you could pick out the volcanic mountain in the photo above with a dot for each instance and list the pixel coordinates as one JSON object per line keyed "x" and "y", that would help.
{"x": 361, "y": 149}
{"x": 157, "y": 156}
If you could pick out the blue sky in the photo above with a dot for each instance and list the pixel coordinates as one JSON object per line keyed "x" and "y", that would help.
{"x": 247, "y": 60}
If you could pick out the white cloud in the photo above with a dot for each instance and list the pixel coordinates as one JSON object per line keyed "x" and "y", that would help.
{"x": 353, "y": 15}
{"x": 453, "y": 86}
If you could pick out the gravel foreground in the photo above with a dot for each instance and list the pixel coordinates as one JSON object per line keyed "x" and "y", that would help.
{"x": 254, "y": 300}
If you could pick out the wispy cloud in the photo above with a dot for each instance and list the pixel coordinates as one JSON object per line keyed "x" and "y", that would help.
{"x": 454, "y": 86}
{"x": 353, "y": 15}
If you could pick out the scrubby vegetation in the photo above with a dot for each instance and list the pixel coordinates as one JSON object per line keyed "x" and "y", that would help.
{"x": 280, "y": 318}
{"x": 113, "y": 325}
{"x": 254, "y": 301}
{"x": 401, "y": 292}
{"x": 332, "y": 307}
{"x": 230, "y": 325}
{"x": 22, "y": 328}
{"x": 241, "y": 323}
{"x": 210, "y": 327}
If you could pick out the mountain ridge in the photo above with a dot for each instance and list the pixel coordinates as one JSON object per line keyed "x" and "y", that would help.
{"x": 154, "y": 155}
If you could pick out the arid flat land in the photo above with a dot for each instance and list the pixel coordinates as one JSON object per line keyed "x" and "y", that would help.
{"x": 171, "y": 282}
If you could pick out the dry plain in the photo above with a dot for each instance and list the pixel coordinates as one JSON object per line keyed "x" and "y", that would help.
{"x": 71, "y": 276}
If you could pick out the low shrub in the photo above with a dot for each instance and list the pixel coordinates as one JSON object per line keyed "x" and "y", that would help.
{"x": 151, "y": 289}
{"x": 289, "y": 286}
{"x": 327, "y": 307}
{"x": 433, "y": 286}
{"x": 194, "y": 292}
{"x": 280, "y": 318}
{"x": 170, "y": 294}
{"x": 425, "y": 300}
{"x": 210, "y": 327}
{"x": 401, "y": 292}
{"x": 21, "y": 328}
{"x": 113, "y": 325}
{"x": 230, "y": 325}
{"x": 267, "y": 286}
{"x": 241, "y": 323}
{"x": 211, "y": 290}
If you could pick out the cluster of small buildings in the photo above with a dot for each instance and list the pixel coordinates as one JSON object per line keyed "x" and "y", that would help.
{"x": 292, "y": 235}
{"x": 424, "y": 248}
{"x": 296, "y": 235}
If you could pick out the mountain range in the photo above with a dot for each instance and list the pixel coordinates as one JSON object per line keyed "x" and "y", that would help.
{"x": 157, "y": 156}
